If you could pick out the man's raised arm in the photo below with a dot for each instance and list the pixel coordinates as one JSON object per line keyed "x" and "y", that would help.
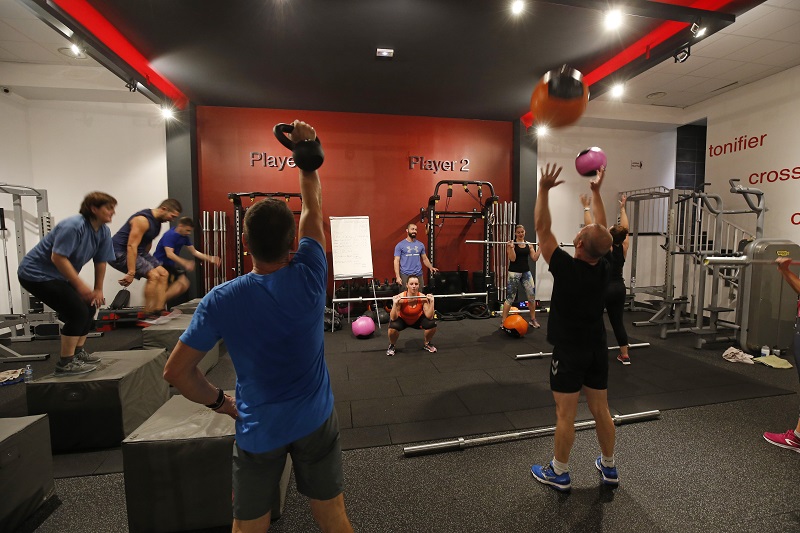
{"x": 547, "y": 241}
{"x": 310, "y": 189}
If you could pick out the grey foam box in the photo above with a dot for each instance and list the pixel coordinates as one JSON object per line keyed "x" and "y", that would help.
{"x": 166, "y": 336}
{"x": 98, "y": 409}
{"x": 26, "y": 468}
{"x": 178, "y": 470}
{"x": 188, "y": 308}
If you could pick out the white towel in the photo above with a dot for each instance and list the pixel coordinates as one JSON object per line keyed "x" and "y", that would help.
{"x": 735, "y": 355}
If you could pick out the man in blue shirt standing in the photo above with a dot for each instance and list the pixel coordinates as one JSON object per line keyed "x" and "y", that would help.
{"x": 409, "y": 256}
{"x": 271, "y": 320}
{"x": 168, "y": 252}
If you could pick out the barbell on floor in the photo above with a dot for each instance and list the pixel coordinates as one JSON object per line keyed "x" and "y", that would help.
{"x": 544, "y": 354}
{"x": 462, "y": 443}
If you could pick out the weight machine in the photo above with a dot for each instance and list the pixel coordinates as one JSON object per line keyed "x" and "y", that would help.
{"x": 695, "y": 294}
{"x": 33, "y": 320}
{"x": 430, "y": 215}
{"x": 238, "y": 221}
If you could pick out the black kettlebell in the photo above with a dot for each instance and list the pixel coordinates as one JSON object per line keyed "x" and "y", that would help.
{"x": 307, "y": 155}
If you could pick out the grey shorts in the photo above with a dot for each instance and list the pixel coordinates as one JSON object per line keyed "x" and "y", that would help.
{"x": 144, "y": 263}
{"x": 317, "y": 463}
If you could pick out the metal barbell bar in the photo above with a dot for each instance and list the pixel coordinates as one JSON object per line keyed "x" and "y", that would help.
{"x": 539, "y": 355}
{"x": 462, "y": 443}
{"x": 739, "y": 260}
{"x": 515, "y": 242}
{"x": 436, "y": 296}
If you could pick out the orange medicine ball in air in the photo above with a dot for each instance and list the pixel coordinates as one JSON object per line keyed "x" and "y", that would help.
{"x": 560, "y": 98}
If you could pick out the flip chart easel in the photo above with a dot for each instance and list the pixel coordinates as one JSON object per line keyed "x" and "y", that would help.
{"x": 351, "y": 247}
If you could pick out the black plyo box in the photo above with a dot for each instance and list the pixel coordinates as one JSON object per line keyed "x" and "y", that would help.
{"x": 98, "y": 409}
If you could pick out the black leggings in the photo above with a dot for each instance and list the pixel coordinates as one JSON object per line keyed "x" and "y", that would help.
{"x": 615, "y": 305}
{"x": 77, "y": 315}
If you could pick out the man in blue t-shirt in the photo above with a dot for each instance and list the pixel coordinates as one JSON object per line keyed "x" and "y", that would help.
{"x": 271, "y": 320}
{"x": 577, "y": 332}
{"x": 409, "y": 256}
{"x": 168, "y": 253}
{"x": 51, "y": 272}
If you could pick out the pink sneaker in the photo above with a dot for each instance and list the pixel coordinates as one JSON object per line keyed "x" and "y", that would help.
{"x": 786, "y": 440}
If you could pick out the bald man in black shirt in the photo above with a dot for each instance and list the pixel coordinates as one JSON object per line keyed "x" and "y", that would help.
{"x": 577, "y": 332}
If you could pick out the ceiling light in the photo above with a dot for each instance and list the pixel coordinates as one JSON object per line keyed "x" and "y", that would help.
{"x": 517, "y": 7}
{"x": 617, "y": 90}
{"x": 656, "y": 95}
{"x": 682, "y": 54}
{"x": 613, "y": 19}
{"x": 541, "y": 131}
{"x": 166, "y": 112}
{"x": 72, "y": 52}
{"x": 384, "y": 53}
{"x": 698, "y": 30}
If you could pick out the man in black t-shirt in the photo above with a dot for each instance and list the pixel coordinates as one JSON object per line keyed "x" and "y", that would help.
{"x": 576, "y": 330}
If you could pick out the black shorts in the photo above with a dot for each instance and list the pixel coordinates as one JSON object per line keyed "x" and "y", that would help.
{"x": 317, "y": 464}
{"x": 174, "y": 271}
{"x": 575, "y": 367}
{"x": 423, "y": 323}
{"x": 77, "y": 315}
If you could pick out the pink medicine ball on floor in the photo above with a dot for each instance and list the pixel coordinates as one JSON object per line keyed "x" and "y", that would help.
{"x": 363, "y": 327}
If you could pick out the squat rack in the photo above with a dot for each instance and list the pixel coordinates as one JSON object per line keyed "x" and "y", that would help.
{"x": 238, "y": 217}
{"x": 14, "y": 320}
{"x": 429, "y": 215}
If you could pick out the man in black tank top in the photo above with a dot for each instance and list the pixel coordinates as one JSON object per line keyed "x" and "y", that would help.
{"x": 577, "y": 332}
{"x": 132, "y": 244}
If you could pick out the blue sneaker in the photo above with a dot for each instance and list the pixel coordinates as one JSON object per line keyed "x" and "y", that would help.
{"x": 546, "y": 474}
{"x": 610, "y": 476}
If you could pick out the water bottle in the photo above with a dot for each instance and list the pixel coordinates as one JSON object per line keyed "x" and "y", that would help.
{"x": 28, "y": 374}
{"x": 765, "y": 350}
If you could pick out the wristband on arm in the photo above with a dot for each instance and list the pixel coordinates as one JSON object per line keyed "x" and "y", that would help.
{"x": 220, "y": 400}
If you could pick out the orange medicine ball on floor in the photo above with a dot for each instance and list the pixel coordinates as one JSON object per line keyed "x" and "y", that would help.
{"x": 515, "y": 325}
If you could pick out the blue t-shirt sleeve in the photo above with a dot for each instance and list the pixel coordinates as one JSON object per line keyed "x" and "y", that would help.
{"x": 311, "y": 256}
{"x": 173, "y": 239}
{"x": 202, "y": 333}
{"x": 105, "y": 248}
{"x": 398, "y": 249}
{"x": 66, "y": 240}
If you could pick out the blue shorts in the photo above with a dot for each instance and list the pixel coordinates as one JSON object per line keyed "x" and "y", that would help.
{"x": 144, "y": 263}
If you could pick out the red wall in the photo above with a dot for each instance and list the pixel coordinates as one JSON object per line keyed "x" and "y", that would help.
{"x": 366, "y": 172}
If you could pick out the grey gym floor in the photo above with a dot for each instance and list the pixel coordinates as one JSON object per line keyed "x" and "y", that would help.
{"x": 695, "y": 469}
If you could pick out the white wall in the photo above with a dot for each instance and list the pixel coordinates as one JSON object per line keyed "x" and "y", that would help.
{"x": 769, "y": 108}
{"x": 72, "y": 148}
{"x": 654, "y": 150}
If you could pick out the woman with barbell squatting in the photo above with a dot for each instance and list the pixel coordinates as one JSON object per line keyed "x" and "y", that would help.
{"x": 412, "y": 309}
{"x": 615, "y": 294}
{"x": 519, "y": 274}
